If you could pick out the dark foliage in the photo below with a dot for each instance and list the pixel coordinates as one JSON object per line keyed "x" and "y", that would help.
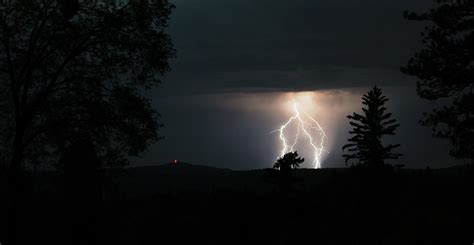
{"x": 445, "y": 70}
{"x": 365, "y": 146}
{"x": 73, "y": 69}
{"x": 289, "y": 161}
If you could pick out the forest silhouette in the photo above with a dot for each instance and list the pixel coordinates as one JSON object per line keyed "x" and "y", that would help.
{"x": 71, "y": 76}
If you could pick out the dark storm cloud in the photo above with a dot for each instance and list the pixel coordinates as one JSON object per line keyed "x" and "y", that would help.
{"x": 290, "y": 45}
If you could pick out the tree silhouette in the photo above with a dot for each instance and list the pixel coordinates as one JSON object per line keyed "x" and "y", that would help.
{"x": 444, "y": 68}
{"x": 288, "y": 162}
{"x": 72, "y": 69}
{"x": 365, "y": 146}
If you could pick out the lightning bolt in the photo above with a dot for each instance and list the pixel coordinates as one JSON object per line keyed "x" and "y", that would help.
{"x": 309, "y": 127}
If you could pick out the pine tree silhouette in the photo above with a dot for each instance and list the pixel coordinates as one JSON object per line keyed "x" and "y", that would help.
{"x": 365, "y": 146}
{"x": 444, "y": 70}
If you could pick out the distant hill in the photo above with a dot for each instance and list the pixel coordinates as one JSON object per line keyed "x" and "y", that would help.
{"x": 179, "y": 168}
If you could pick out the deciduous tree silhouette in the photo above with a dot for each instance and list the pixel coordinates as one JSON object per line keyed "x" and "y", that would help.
{"x": 286, "y": 164}
{"x": 71, "y": 69}
{"x": 365, "y": 146}
{"x": 445, "y": 70}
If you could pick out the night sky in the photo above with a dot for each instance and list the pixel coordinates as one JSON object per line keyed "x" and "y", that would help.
{"x": 240, "y": 62}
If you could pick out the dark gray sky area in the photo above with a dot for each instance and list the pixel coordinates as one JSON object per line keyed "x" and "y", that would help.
{"x": 240, "y": 62}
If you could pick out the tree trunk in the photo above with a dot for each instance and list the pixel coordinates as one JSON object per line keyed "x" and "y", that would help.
{"x": 13, "y": 175}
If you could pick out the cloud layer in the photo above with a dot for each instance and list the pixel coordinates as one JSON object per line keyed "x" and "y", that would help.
{"x": 290, "y": 45}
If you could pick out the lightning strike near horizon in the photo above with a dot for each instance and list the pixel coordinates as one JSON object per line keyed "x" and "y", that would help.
{"x": 307, "y": 125}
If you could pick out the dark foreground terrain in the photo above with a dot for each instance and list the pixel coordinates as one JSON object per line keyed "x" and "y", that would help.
{"x": 203, "y": 205}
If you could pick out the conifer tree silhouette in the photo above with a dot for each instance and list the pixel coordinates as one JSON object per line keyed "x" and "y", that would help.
{"x": 445, "y": 72}
{"x": 365, "y": 146}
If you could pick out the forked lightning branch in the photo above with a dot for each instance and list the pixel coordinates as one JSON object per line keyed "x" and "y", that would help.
{"x": 308, "y": 129}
